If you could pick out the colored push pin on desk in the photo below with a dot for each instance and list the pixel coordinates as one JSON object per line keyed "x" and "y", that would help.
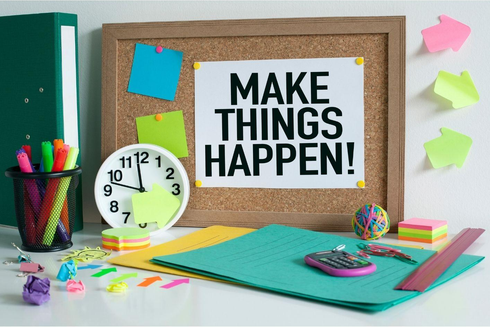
{"x": 159, "y": 49}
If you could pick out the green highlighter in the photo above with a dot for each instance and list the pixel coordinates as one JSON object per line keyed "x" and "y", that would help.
{"x": 47, "y": 152}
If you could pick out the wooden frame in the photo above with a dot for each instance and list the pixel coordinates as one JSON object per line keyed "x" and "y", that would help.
{"x": 393, "y": 28}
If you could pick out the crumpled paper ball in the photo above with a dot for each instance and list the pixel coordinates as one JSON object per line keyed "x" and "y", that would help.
{"x": 36, "y": 290}
{"x": 74, "y": 286}
{"x": 68, "y": 270}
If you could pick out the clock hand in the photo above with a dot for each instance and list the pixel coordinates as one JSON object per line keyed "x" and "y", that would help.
{"x": 131, "y": 187}
{"x": 142, "y": 189}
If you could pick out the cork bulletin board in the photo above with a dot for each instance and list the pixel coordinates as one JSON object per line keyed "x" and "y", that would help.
{"x": 380, "y": 40}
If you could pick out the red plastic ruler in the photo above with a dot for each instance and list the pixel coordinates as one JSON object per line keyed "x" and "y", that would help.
{"x": 431, "y": 269}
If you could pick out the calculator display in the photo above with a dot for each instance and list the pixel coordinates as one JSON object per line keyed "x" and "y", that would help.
{"x": 340, "y": 263}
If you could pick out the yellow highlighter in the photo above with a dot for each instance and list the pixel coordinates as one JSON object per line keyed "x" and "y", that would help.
{"x": 59, "y": 198}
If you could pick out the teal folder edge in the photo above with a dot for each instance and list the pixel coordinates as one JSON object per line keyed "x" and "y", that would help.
{"x": 198, "y": 261}
{"x": 38, "y": 38}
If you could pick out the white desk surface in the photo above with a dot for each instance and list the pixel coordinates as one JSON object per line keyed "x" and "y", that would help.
{"x": 464, "y": 300}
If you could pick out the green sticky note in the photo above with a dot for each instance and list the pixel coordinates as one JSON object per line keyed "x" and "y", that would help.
{"x": 460, "y": 90}
{"x": 450, "y": 148}
{"x": 166, "y": 130}
{"x": 157, "y": 205}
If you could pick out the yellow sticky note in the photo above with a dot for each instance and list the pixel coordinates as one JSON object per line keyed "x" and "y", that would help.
{"x": 450, "y": 148}
{"x": 166, "y": 130}
{"x": 200, "y": 239}
{"x": 157, "y": 205}
{"x": 460, "y": 90}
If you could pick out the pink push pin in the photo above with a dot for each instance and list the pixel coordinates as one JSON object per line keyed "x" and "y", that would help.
{"x": 159, "y": 49}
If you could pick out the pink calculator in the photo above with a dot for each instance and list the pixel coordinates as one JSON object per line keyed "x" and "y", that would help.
{"x": 340, "y": 263}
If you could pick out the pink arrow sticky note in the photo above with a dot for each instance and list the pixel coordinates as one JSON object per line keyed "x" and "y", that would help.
{"x": 448, "y": 34}
{"x": 176, "y": 282}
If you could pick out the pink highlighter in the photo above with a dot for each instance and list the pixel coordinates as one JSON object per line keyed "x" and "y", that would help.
{"x": 340, "y": 263}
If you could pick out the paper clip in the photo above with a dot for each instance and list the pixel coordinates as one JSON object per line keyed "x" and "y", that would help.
{"x": 385, "y": 251}
{"x": 362, "y": 254}
{"x": 23, "y": 257}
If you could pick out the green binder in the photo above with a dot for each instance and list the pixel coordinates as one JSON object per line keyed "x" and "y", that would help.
{"x": 38, "y": 93}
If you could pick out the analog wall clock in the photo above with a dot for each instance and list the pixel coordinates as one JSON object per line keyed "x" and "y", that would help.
{"x": 142, "y": 185}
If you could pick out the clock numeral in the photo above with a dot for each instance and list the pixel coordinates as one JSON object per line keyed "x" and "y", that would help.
{"x": 143, "y": 225}
{"x": 170, "y": 172}
{"x": 107, "y": 190}
{"x": 176, "y": 190}
{"x": 123, "y": 161}
{"x": 127, "y": 216}
{"x": 114, "y": 206}
{"x": 142, "y": 158}
{"x": 116, "y": 175}
{"x": 159, "y": 161}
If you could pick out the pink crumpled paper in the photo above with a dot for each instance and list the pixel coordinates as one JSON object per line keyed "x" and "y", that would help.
{"x": 74, "y": 286}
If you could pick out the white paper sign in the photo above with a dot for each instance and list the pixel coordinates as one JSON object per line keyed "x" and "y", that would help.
{"x": 293, "y": 123}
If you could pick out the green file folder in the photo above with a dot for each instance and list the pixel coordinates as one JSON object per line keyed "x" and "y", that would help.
{"x": 38, "y": 93}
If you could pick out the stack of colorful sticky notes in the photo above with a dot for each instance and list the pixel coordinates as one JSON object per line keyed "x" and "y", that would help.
{"x": 422, "y": 230}
{"x": 125, "y": 239}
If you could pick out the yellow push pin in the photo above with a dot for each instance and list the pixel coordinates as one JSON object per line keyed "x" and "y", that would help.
{"x": 360, "y": 60}
{"x": 196, "y": 65}
{"x": 198, "y": 183}
{"x": 361, "y": 184}
{"x": 158, "y": 117}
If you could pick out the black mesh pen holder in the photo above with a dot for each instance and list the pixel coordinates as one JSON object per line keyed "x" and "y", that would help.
{"x": 45, "y": 208}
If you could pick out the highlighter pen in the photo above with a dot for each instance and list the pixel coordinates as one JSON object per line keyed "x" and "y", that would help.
{"x": 24, "y": 151}
{"x": 60, "y": 197}
{"x": 59, "y": 162}
{"x": 35, "y": 200}
{"x": 64, "y": 211}
{"x": 47, "y": 156}
{"x": 27, "y": 149}
{"x": 49, "y": 196}
{"x": 58, "y": 144}
{"x": 26, "y": 167}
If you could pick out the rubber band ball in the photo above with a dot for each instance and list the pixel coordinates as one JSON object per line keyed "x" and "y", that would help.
{"x": 371, "y": 222}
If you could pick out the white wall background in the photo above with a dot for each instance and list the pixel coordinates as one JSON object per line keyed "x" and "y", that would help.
{"x": 457, "y": 195}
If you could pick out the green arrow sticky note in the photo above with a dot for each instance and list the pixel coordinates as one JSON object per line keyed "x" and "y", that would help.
{"x": 103, "y": 272}
{"x": 157, "y": 205}
{"x": 124, "y": 277}
{"x": 450, "y": 148}
{"x": 166, "y": 130}
{"x": 460, "y": 90}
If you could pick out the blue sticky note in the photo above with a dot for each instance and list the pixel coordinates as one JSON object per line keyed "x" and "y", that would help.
{"x": 155, "y": 74}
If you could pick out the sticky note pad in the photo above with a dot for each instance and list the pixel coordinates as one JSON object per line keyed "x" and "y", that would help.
{"x": 450, "y": 148}
{"x": 123, "y": 239}
{"x": 422, "y": 224}
{"x": 155, "y": 74}
{"x": 157, "y": 205}
{"x": 460, "y": 90}
{"x": 166, "y": 130}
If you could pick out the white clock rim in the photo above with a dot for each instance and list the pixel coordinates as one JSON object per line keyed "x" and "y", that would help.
{"x": 173, "y": 158}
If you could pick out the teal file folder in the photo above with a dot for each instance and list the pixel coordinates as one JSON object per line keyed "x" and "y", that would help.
{"x": 38, "y": 93}
{"x": 272, "y": 258}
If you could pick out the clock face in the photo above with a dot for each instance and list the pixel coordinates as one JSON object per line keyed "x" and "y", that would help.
{"x": 147, "y": 172}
